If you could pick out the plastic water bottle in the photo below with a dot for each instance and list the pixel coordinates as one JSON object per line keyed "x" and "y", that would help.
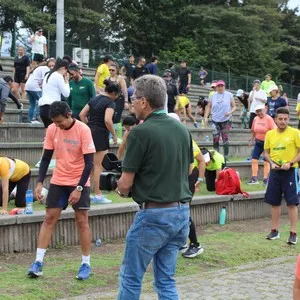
{"x": 98, "y": 242}
{"x": 29, "y": 202}
{"x": 202, "y": 123}
{"x": 207, "y": 138}
{"x": 222, "y": 218}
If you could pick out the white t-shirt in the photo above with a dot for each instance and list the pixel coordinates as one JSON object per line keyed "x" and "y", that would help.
{"x": 53, "y": 89}
{"x": 35, "y": 80}
{"x": 220, "y": 105}
{"x": 257, "y": 95}
{"x": 38, "y": 44}
{"x": 298, "y": 98}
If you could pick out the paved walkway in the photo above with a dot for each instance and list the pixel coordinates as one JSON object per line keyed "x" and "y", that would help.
{"x": 270, "y": 279}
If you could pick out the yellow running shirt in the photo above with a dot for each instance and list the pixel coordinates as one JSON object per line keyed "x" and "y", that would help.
{"x": 103, "y": 71}
{"x": 218, "y": 161}
{"x": 283, "y": 146}
{"x": 13, "y": 170}
{"x": 183, "y": 101}
{"x": 196, "y": 151}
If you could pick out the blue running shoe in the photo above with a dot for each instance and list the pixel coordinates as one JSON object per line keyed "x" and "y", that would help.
{"x": 84, "y": 272}
{"x": 36, "y": 269}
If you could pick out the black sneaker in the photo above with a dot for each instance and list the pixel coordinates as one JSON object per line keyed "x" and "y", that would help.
{"x": 183, "y": 248}
{"x": 274, "y": 234}
{"x": 292, "y": 239}
{"x": 193, "y": 251}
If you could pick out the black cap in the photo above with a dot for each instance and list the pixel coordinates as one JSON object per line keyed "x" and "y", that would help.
{"x": 39, "y": 29}
{"x": 73, "y": 67}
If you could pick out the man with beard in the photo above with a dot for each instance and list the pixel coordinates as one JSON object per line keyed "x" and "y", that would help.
{"x": 81, "y": 90}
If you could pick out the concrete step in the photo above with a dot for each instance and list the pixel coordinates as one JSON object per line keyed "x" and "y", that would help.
{"x": 31, "y": 152}
{"x": 11, "y": 104}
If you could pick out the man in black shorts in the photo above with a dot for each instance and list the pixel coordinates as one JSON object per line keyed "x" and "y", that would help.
{"x": 282, "y": 151}
{"x": 184, "y": 78}
{"x": 172, "y": 91}
{"x": 69, "y": 184}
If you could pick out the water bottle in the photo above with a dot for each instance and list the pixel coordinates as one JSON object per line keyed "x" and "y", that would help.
{"x": 29, "y": 202}
{"x": 98, "y": 242}
{"x": 207, "y": 138}
{"x": 222, "y": 218}
{"x": 202, "y": 123}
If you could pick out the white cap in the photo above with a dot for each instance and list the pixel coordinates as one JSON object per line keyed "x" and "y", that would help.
{"x": 239, "y": 93}
{"x": 272, "y": 88}
{"x": 206, "y": 157}
{"x": 259, "y": 106}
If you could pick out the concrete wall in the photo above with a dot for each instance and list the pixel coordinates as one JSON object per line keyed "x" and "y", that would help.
{"x": 110, "y": 222}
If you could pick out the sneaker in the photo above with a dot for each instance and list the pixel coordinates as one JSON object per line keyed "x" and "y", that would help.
{"x": 35, "y": 122}
{"x": 193, "y": 251}
{"x": 265, "y": 182}
{"x": 253, "y": 180}
{"x": 274, "y": 234}
{"x": 36, "y": 269}
{"x": 183, "y": 248}
{"x": 97, "y": 199}
{"x": 84, "y": 272}
{"x": 196, "y": 125}
{"x": 292, "y": 239}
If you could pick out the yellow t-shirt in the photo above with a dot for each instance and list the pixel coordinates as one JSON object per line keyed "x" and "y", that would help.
{"x": 196, "y": 151}
{"x": 210, "y": 93}
{"x": 183, "y": 101}
{"x": 283, "y": 146}
{"x": 103, "y": 71}
{"x": 19, "y": 171}
{"x": 298, "y": 109}
{"x": 219, "y": 161}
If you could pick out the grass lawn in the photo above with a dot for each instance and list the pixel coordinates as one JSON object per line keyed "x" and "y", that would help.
{"x": 229, "y": 246}
{"x": 117, "y": 199}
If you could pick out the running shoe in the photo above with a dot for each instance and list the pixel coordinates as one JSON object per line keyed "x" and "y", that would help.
{"x": 292, "y": 239}
{"x": 100, "y": 199}
{"x": 253, "y": 180}
{"x": 183, "y": 248}
{"x": 36, "y": 269}
{"x": 193, "y": 251}
{"x": 274, "y": 234}
{"x": 265, "y": 182}
{"x": 84, "y": 272}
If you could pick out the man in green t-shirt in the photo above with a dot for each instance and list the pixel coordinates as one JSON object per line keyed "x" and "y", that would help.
{"x": 155, "y": 168}
{"x": 81, "y": 90}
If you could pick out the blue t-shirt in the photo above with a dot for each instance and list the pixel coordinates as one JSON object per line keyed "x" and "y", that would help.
{"x": 274, "y": 104}
{"x": 220, "y": 105}
{"x": 152, "y": 68}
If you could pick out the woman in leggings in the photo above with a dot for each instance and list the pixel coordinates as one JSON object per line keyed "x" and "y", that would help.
{"x": 13, "y": 173}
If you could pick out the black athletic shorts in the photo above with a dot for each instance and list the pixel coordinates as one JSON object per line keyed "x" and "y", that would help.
{"x": 58, "y": 196}
{"x": 37, "y": 57}
{"x": 101, "y": 138}
{"x": 282, "y": 182}
{"x": 20, "y": 78}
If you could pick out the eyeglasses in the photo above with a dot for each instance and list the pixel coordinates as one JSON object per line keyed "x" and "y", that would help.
{"x": 112, "y": 70}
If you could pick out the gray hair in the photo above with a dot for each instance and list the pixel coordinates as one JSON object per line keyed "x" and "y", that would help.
{"x": 153, "y": 88}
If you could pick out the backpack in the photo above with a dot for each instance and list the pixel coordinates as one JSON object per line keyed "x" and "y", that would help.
{"x": 228, "y": 183}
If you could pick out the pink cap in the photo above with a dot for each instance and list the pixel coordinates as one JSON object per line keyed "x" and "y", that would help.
{"x": 220, "y": 82}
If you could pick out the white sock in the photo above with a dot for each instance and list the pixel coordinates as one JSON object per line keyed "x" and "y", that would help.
{"x": 86, "y": 260}
{"x": 40, "y": 253}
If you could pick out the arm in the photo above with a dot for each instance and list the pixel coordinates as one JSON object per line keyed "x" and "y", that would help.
{"x": 125, "y": 183}
{"x": 123, "y": 71}
{"x": 84, "y": 113}
{"x": 207, "y": 111}
{"x": 27, "y": 72}
{"x": 45, "y": 49}
{"x": 124, "y": 89}
{"x": 268, "y": 159}
{"x": 64, "y": 86}
{"x": 233, "y": 107}
{"x": 122, "y": 147}
{"x": 14, "y": 72}
{"x": 109, "y": 112}
{"x": 289, "y": 165}
{"x": 189, "y": 79}
{"x": 31, "y": 39}
{"x": 5, "y": 184}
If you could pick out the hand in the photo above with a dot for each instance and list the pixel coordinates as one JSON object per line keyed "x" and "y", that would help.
{"x": 126, "y": 133}
{"x": 97, "y": 91}
{"x": 26, "y": 77}
{"x": 67, "y": 77}
{"x": 74, "y": 197}
{"x": 205, "y": 121}
{"x": 115, "y": 138}
{"x": 227, "y": 114}
{"x": 250, "y": 142}
{"x": 197, "y": 186}
{"x": 274, "y": 166}
{"x": 3, "y": 212}
{"x": 126, "y": 105}
{"x": 188, "y": 86}
{"x": 286, "y": 166}
{"x": 38, "y": 192}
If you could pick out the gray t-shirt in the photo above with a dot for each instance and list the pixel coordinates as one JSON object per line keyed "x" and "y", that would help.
{"x": 220, "y": 105}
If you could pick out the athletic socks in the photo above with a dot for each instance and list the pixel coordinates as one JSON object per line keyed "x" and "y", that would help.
{"x": 40, "y": 253}
{"x": 86, "y": 260}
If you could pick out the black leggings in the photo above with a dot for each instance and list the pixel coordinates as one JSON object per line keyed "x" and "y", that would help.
{"x": 44, "y": 114}
{"x": 210, "y": 178}
{"x": 192, "y": 181}
{"x": 22, "y": 186}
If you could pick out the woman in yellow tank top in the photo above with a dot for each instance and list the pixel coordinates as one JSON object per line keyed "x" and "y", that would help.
{"x": 13, "y": 173}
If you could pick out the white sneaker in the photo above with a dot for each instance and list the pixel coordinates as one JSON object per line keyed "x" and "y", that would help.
{"x": 97, "y": 199}
{"x": 35, "y": 122}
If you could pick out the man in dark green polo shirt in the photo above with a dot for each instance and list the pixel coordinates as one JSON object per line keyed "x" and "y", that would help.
{"x": 156, "y": 166}
{"x": 81, "y": 90}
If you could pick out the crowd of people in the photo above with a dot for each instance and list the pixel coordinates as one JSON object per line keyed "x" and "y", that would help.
{"x": 82, "y": 118}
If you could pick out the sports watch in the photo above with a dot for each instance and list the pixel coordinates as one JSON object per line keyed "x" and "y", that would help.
{"x": 79, "y": 188}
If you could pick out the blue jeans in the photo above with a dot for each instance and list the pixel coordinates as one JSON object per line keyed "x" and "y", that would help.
{"x": 33, "y": 111}
{"x": 156, "y": 234}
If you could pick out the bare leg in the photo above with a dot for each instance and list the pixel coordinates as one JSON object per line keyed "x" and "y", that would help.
{"x": 1, "y": 117}
{"x": 276, "y": 212}
{"x": 98, "y": 169}
{"x": 15, "y": 90}
{"x": 23, "y": 91}
{"x": 52, "y": 215}
{"x": 84, "y": 230}
{"x": 293, "y": 216}
{"x": 189, "y": 113}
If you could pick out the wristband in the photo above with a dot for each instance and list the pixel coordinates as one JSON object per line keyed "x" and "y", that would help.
{"x": 291, "y": 164}
{"x": 200, "y": 179}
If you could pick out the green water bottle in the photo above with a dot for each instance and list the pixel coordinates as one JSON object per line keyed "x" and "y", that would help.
{"x": 222, "y": 218}
{"x": 118, "y": 130}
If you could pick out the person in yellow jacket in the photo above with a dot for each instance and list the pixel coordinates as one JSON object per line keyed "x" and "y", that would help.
{"x": 183, "y": 104}
{"x": 13, "y": 173}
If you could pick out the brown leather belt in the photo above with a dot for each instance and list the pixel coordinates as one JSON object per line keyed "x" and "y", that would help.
{"x": 160, "y": 205}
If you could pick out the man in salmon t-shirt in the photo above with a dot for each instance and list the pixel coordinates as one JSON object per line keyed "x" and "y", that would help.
{"x": 73, "y": 144}
{"x": 261, "y": 124}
